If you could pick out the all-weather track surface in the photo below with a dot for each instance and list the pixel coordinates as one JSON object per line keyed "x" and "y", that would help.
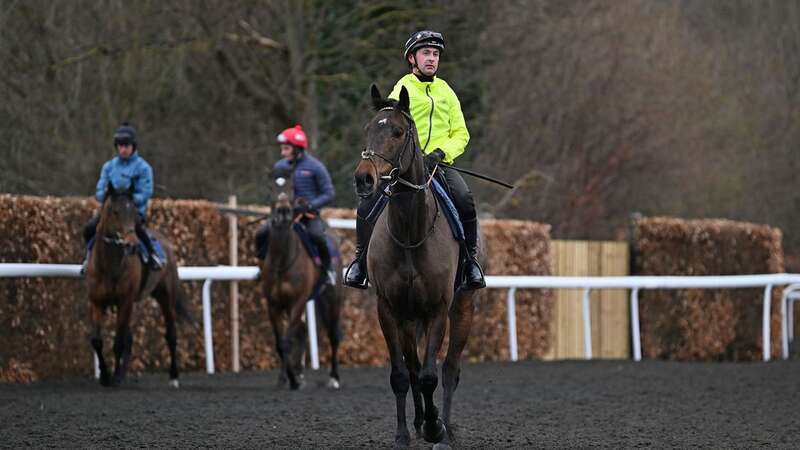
{"x": 568, "y": 404}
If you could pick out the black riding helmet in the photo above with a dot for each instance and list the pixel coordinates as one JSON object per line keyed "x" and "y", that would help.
{"x": 424, "y": 38}
{"x": 125, "y": 134}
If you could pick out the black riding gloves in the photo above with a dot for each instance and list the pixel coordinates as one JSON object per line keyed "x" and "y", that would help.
{"x": 302, "y": 208}
{"x": 433, "y": 158}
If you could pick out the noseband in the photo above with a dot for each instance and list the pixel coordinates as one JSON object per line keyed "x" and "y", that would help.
{"x": 394, "y": 175}
{"x": 117, "y": 240}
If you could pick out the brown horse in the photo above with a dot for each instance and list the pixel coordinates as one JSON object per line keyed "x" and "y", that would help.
{"x": 413, "y": 261}
{"x": 117, "y": 277}
{"x": 289, "y": 276}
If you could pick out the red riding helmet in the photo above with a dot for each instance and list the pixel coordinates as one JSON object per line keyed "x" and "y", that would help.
{"x": 293, "y": 136}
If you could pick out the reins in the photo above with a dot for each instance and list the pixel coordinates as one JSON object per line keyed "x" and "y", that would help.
{"x": 394, "y": 177}
{"x": 397, "y": 167}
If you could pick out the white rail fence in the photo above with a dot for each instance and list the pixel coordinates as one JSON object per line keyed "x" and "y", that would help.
{"x": 512, "y": 283}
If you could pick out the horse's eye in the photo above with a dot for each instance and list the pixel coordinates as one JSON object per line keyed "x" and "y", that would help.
{"x": 396, "y": 132}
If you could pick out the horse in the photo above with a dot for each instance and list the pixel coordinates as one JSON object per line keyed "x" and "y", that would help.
{"x": 289, "y": 277}
{"x": 413, "y": 258}
{"x": 116, "y": 276}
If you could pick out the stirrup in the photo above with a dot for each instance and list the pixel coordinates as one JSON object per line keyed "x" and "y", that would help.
{"x": 330, "y": 276}
{"x": 84, "y": 266}
{"x": 156, "y": 263}
{"x": 353, "y": 282}
{"x": 475, "y": 283}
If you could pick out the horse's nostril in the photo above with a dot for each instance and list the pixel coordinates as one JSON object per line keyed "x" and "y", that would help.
{"x": 364, "y": 182}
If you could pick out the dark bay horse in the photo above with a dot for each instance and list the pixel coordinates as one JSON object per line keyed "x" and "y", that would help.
{"x": 289, "y": 276}
{"x": 117, "y": 277}
{"x": 413, "y": 257}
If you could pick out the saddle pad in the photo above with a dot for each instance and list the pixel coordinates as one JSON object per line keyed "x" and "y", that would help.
{"x": 449, "y": 209}
{"x": 145, "y": 255}
{"x": 312, "y": 250}
{"x": 141, "y": 249}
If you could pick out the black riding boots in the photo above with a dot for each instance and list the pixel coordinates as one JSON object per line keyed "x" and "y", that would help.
{"x": 154, "y": 261}
{"x": 357, "y": 271}
{"x": 472, "y": 269}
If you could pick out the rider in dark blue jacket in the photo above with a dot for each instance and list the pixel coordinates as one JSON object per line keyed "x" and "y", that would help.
{"x": 127, "y": 168}
{"x": 311, "y": 182}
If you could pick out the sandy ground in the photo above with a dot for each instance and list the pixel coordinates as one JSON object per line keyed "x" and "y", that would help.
{"x": 570, "y": 404}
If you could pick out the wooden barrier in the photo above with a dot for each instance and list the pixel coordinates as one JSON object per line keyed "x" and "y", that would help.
{"x": 609, "y": 307}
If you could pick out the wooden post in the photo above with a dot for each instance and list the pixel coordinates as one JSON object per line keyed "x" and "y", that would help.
{"x": 234, "y": 257}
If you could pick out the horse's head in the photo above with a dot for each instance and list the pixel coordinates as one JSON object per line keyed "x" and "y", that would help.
{"x": 118, "y": 217}
{"x": 391, "y": 153}
{"x": 283, "y": 191}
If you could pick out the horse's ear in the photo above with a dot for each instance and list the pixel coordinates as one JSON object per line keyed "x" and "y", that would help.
{"x": 110, "y": 189}
{"x": 131, "y": 189}
{"x": 403, "y": 104}
{"x": 377, "y": 98}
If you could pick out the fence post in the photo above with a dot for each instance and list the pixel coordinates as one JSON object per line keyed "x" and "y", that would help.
{"x": 208, "y": 329}
{"x": 512, "y": 323}
{"x": 587, "y": 324}
{"x": 233, "y": 245}
{"x": 766, "y": 320}
{"x": 635, "y": 338}
{"x": 313, "y": 345}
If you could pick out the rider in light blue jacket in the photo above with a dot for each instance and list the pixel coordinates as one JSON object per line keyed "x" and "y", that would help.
{"x": 121, "y": 172}
{"x": 127, "y": 168}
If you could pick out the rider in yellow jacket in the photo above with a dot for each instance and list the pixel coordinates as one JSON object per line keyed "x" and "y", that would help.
{"x": 443, "y": 137}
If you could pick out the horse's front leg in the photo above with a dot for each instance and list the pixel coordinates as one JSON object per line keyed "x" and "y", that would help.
{"x": 432, "y": 429}
{"x": 96, "y": 339}
{"x": 461, "y": 314}
{"x": 276, "y": 321}
{"x": 409, "y": 342}
{"x": 294, "y": 341}
{"x": 399, "y": 378}
{"x": 123, "y": 341}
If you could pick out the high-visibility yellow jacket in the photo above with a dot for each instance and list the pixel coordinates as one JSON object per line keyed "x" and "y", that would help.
{"x": 437, "y": 115}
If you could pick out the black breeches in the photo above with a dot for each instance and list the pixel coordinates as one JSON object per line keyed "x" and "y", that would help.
{"x": 90, "y": 228}
{"x": 316, "y": 230}
{"x": 460, "y": 193}
{"x": 141, "y": 233}
{"x": 262, "y": 237}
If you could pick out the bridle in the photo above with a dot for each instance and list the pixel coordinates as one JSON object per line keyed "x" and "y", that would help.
{"x": 394, "y": 176}
{"x": 283, "y": 221}
{"x": 116, "y": 239}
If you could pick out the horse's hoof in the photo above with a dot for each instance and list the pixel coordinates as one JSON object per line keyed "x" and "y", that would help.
{"x": 174, "y": 383}
{"x": 282, "y": 380}
{"x": 433, "y": 433}
{"x": 333, "y": 383}
{"x": 106, "y": 381}
{"x": 401, "y": 441}
{"x": 442, "y": 446}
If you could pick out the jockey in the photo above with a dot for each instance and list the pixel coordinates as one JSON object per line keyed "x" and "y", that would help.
{"x": 311, "y": 182}
{"x": 443, "y": 136}
{"x": 126, "y": 168}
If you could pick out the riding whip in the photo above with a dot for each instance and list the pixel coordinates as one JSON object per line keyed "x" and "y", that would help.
{"x": 479, "y": 175}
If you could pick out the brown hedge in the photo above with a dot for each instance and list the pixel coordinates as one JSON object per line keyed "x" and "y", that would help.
{"x": 44, "y": 326}
{"x": 706, "y": 324}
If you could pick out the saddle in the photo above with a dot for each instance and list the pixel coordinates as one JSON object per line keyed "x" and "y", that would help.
{"x": 312, "y": 250}
{"x": 159, "y": 250}
{"x": 141, "y": 249}
{"x": 450, "y": 212}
